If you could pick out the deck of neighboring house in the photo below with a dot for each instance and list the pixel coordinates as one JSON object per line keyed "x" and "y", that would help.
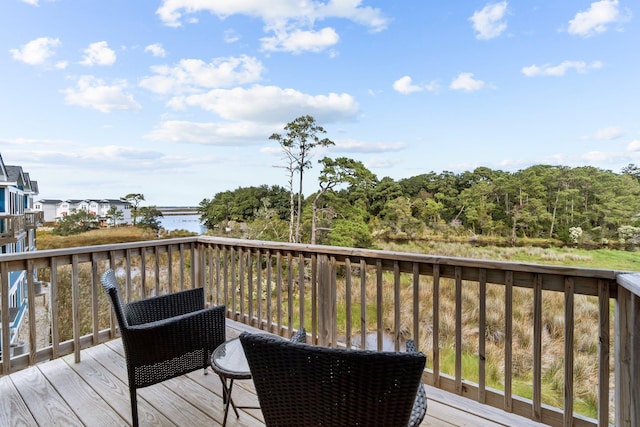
{"x": 94, "y": 393}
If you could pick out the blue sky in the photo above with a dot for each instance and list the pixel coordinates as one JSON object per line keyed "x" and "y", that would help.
{"x": 176, "y": 99}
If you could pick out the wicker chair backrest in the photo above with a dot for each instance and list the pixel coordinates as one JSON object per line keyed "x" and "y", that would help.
{"x": 111, "y": 287}
{"x": 306, "y": 385}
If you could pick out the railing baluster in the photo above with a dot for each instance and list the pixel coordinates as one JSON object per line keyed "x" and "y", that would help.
{"x": 623, "y": 329}
{"x": 31, "y": 298}
{"x": 157, "y": 270}
{"x": 279, "y": 291}
{"x": 240, "y": 287}
{"x": 436, "y": 325}
{"x": 143, "y": 272}
{"x": 482, "y": 334}
{"x": 250, "y": 286}
{"x": 225, "y": 279}
{"x": 75, "y": 307}
{"x": 55, "y": 309}
{"x": 416, "y": 304}
{"x": 458, "y": 302}
{"x": 537, "y": 348}
{"x": 94, "y": 299}
{"x": 302, "y": 282}
{"x": 289, "y": 293}
{"x": 194, "y": 265}
{"x": 396, "y": 305}
{"x": 269, "y": 319}
{"x": 347, "y": 308}
{"x": 508, "y": 341}
{"x": 128, "y": 277}
{"x": 4, "y": 281}
{"x": 379, "y": 289}
{"x": 170, "y": 268}
{"x": 324, "y": 295}
{"x": 604, "y": 295}
{"x": 181, "y": 264}
{"x": 314, "y": 296}
{"x": 363, "y": 303}
{"x": 333, "y": 301}
{"x": 568, "y": 351}
{"x": 234, "y": 283}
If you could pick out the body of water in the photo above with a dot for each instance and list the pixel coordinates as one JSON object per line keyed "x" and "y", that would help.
{"x": 189, "y": 222}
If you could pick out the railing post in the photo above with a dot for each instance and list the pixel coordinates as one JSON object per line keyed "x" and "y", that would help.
{"x": 326, "y": 302}
{"x": 4, "y": 317}
{"x": 627, "y": 351}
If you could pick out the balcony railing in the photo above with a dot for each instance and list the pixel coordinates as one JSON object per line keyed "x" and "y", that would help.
{"x": 467, "y": 315}
{"x": 11, "y": 227}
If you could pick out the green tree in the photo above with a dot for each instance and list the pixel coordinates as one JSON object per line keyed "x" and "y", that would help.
{"x": 399, "y": 220}
{"x": 267, "y": 224}
{"x": 351, "y": 233}
{"x": 632, "y": 170}
{"x": 134, "y": 199}
{"x": 114, "y": 215}
{"x": 385, "y": 190}
{"x": 76, "y": 222}
{"x": 149, "y": 218}
{"x": 298, "y": 143}
{"x": 341, "y": 170}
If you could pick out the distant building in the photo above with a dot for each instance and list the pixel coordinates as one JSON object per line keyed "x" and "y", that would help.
{"x": 54, "y": 210}
{"x": 18, "y": 223}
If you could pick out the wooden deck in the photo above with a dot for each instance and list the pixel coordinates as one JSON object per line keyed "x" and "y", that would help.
{"x": 95, "y": 393}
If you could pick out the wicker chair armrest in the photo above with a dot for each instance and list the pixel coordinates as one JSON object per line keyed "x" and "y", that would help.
{"x": 164, "y": 306}
{"x": 173, "y": 337}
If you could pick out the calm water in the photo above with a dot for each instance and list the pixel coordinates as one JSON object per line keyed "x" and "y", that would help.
{"x": 182, "y": 222}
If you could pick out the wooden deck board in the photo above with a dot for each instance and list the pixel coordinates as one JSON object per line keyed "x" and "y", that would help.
{"x": 95, "y": 392}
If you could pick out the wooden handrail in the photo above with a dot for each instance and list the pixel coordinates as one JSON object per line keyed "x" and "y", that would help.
{"x": 348, "y": 296}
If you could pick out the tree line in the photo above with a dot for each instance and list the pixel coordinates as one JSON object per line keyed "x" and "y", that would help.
{"x": 352, "y": 207}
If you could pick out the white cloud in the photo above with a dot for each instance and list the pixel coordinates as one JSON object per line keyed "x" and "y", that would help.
{"x": 270, "y": 104}
{"x": 298, "y": 41}
{"x": 560, "y": 69}
{"x": 230, "y": 36}
{"x": 292, "y": 22}
{"x": 382, "y": 162}
{"x": 172, "y": 11}
{"x": 94, "y": 93}
{"x": 607, "y": 134}
{"x": 190, "y": 75}
{"x": 37, "y": 51}
{"x": 405, "y": 86}
{"x": 489, "y": 22}
{"x": 596, "y": 19}
{"x": 98, "y": 53}
{"x": 466, "y": 82}
{"x": 221, "y": 134}
{"x": 156, "y": 49}
{"x": 634, "y": 145}
{"x": 31, "y": 2}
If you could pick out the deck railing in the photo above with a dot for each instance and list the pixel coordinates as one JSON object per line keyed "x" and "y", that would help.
{"x": 11, "y": 226}
{"x": 467, "y": 315}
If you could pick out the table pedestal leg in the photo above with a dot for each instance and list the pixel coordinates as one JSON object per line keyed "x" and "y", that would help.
{"x": 226, "y": 399}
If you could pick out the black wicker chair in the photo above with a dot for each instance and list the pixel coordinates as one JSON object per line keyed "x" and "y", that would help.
{"x": 165, "y": 336}
{"x": 306, "y": 385}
